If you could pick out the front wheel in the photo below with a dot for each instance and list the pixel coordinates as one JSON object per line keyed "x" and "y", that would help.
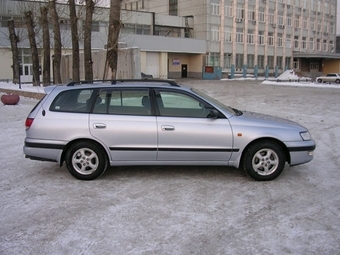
{"x": 319, "y": 80}
{"x": 264, "y": 160}
{"x": 86, "y": 160}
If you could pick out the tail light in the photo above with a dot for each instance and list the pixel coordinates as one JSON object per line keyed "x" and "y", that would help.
{"x": 28, "y": 123}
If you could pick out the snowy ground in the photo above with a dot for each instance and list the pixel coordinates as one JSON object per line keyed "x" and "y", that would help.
{"x": 179, "y": 210}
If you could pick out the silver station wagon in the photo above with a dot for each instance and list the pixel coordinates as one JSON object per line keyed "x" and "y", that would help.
{"x": 91, "y": 126}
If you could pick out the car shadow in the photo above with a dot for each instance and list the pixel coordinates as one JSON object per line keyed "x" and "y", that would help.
{"x": 173, "y": 172}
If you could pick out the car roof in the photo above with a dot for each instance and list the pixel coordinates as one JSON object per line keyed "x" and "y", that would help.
{"x": 114, "y": 83}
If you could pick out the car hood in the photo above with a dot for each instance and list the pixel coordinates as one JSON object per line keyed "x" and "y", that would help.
{"x": 258, "y": 119}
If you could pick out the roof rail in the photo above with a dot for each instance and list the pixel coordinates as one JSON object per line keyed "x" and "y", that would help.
{"x": 170, "y": 82}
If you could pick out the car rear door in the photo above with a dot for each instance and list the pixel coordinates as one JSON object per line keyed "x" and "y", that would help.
{"x": 123, "y": 121}
{"x": 186, "y": 133}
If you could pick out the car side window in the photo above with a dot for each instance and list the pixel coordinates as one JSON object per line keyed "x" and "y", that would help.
{"x": 72, "y": 101}
{"x": 124, "y": 102}
{"x": 177, "y": 104}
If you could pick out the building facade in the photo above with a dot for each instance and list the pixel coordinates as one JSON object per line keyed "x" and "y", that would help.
{"x": 258, "y": 35}
{"x": 165, "y": 50}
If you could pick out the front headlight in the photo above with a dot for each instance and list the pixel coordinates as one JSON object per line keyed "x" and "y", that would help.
{"x": 305, "y": 136}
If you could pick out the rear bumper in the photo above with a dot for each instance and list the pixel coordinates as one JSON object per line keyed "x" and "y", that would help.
{"x": 42, "y": 151}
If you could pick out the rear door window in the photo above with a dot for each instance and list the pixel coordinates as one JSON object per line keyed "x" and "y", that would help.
{"x": 124, "y": 102}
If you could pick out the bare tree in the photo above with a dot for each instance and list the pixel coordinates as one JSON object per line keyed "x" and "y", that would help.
{"x": 113, "y": 37}
{"x": 87, "y": 40}
{"x": 46, "y": 46}
{"x": 15, "y": 51}
{"x": 34, "y": 49}
{"x": 57, "y": 42}
{"x": 75, "y": 41}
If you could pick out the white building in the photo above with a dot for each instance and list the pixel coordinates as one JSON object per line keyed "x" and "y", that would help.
{"x": 258, "y": 35}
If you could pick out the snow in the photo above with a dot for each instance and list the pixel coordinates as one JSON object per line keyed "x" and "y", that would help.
{"x": 179, "y": 210}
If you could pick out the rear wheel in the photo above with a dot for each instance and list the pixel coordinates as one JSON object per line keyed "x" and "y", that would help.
{"x": 86, "y": 160}
{"x": 337, "y": 81}
{"x": 319, "y": 80}
{"x": 264, "y": 160}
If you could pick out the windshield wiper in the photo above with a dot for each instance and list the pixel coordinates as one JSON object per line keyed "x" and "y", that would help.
{"x": 237, "y": 112}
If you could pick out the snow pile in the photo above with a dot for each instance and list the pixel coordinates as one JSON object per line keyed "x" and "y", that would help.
{"x": 291, "y": 75}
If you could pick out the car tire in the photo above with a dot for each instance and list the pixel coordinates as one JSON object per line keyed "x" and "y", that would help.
{"x": 319, "y": 80}
{"x": 337, "y": 81}
{"x": 264, "y": 160}
{"x": 86, "y": 160}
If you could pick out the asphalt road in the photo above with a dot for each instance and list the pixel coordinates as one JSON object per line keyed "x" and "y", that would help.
{"x": 179, "y": 210}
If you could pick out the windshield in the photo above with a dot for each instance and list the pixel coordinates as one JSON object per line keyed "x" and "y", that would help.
{"x": 218, "y": 103}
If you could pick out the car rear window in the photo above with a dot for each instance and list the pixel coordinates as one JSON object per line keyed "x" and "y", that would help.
{"x": 72, "y": 101}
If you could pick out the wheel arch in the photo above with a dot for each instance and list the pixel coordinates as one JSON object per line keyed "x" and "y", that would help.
{"x": 269, "y": 139}
{"x": 67, "y": 146}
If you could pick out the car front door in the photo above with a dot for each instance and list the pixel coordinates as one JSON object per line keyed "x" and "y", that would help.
{"x": 122, "y": 120}
{"x": 186, "y": 133}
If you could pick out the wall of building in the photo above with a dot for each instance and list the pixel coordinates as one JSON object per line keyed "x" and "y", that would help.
{"x": 330, "y": 66}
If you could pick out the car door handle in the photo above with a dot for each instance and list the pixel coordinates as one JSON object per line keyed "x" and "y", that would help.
{"x": 168, "y": 128}
{"x": 99, "y": 125}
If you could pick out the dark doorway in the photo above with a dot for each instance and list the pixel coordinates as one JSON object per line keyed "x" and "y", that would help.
{"x": 184, "y": 71}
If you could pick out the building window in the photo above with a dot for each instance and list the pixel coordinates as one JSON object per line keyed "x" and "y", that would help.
{"x": 312, "y": 24}
{"x": 261, "y": 17}
{"x": 279, "y": 62}
{"x": 279, "y": 40}
{"x": 295, "y": 63}
{"x": 280, "y": 20}
{"x": 319, "y": 27}
{"x": 240, "y": 13}
{"x": 215, "y": 35}
{"x": 271, "y": 18}
{"x": 228, "y": 60}
{"x": 296, "y": 42}
{"x": 331, "y": 27}
{"x": 287, "y": 62}
{"x": 289, "y": 21}
{"x": 239, "y": 35}
{"x": 318, "y": 44}
{"x": 304, "y": 43}
{"x": 239, "y": 61}
{"x": 251, "y": 15}
{"x": 325, "y": 27}
{"x": 305, "y": 24}
{"x": 297, "y": 21}
{"x": 331, "y": 46}
{"x": 215, "y": 9}
{"x": 229, "y": 11}
{"x": 250, "y": 60}
{"x": 173, "y": 7}
{"x": 288, "y": 42}
{"x": 214, "y": 59}
{"x": 270, "y": 62}
{"x": 227, "y": 36}
{"x": 325, "y": 45}
{"x": 311, "y": 43}
{"x": 260, "y": 61}
{"x": 261, "y": 38}
{"x": 270, "y": 39}
{"x": 250, "y": 37}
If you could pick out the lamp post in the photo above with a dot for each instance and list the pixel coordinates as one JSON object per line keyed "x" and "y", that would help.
{"x": 53, "y": 68}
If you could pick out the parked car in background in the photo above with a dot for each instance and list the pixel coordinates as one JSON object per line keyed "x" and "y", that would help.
{"x": 331, "y": 77}
{"x": 91, "y": 126}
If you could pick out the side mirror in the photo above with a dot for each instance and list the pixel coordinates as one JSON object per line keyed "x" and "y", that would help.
{"x": 213, "y": 114}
